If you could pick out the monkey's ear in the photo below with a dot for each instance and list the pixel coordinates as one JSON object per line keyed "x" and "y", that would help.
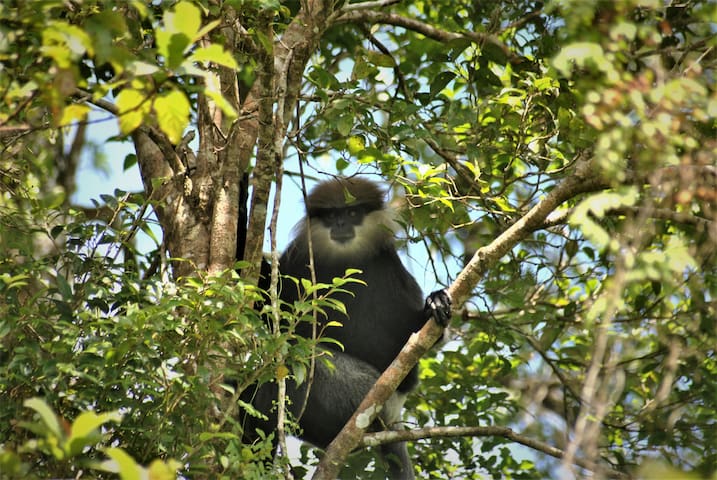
{"x": 438, "y": 305}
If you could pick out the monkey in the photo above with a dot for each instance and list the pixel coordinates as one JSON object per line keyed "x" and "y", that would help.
{"x": 350, "y": 227}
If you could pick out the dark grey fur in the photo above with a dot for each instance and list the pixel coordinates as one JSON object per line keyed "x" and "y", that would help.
{"x": 350, "y": 228}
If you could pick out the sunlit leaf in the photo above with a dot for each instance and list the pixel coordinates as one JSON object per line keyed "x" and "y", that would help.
{"x": 172, "y": 111}
{"x": 132, "y": 106}
{"x": 47, "y": 416}
{"x": 215, "y": 54}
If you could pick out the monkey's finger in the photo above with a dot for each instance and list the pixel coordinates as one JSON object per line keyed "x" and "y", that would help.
{"x": 438, "y": 306}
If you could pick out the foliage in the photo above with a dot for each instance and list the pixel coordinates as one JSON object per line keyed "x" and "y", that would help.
{"x": 63, "y": 446}
{"x": 595, "y": 334}
{"x": 83, "y": 330}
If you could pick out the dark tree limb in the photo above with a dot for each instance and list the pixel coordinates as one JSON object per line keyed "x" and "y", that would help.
{"x": 582, "y": 180}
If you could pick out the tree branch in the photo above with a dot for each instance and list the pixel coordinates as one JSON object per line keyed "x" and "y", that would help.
{"x": 583, "y": 180}
{"x": 264, "y": 170}
{"x": 290, "y": 54}
{"x": 351, "y": 15}
{"x": 703, "y": 224}
{"x": 391, "y": 436}
{"x": 220, "y": 169}
{"x": 368, "y": 5}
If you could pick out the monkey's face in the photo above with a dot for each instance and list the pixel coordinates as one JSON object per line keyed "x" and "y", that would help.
{"x": 341, "y": 223}
{"x": 348, "y": 232}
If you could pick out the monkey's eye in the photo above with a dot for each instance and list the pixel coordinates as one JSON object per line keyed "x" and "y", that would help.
{"x": 325, "y": 213}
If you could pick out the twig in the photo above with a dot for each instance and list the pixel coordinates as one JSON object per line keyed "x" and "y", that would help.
{"x": 368, "y": 5}
{"x": 392, "y": 436}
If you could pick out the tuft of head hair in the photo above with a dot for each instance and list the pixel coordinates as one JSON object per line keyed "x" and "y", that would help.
{"x": 375, "y": 234}
{"x": 340, "y": 192}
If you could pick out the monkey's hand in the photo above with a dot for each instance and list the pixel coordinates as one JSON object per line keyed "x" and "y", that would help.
{"x": 438, "y": 306}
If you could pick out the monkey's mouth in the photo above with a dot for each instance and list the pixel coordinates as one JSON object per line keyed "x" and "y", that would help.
{"x": 342, "y": 233}
{"x": 342, "y": 238}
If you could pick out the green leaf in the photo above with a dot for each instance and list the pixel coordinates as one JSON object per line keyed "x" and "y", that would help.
{"x": 64, "y": 288}
{"x": 74, "y": 113}
{"x": 185, "y": 18}
{"x": 576, "y": 54}
{"x": 15, "y": 281}
{"x": 159, "y": 470}
{"x": 65, "y": 43}
{"x": 215, "y": 54}
{"x": 345, "y": 124}
{"x": 440, "y": 81}
{"x": 122, "y": 463}
{"x": 206, "y": 29}
{"x": 129, "y": 161}
{"x": 355, "y": 144}
{"x": 379, "y": 59}
{"x": 172, "y": 111}
{"x": 139, "y": 68}
{"x": 132, "y": 110}
{"x": 172, "y": 46}
{"x": 362, "y": 69}
{"x": 47, "y": 416}
{"x": 89, "y": 421}
{"x": 181, "y": 30}
{"x": 221, "y": 102}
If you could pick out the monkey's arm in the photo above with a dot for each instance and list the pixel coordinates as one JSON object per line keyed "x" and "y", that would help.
{"x": 438, "y": 306}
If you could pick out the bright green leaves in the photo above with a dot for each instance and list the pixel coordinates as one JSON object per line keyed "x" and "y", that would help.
{"x": 128, "y": 469}
{"x": 148, "y": 65}
{"x": 596, "y": 207}
{"x": 215, "y": 54}
{"x": 133, "y": 108}
{"x": 74, "y": 113}
{"x": 180, "y": 27}
{"x": 584, "y": 54}
{"x": 379, "y": 59}
{"x": 440, "y": 82}
{"x": 176, "y": 46}
{"x": 172, "y": 110}
{"x": 105, "y": 28}
{"x": 665, "y": 264}
{"x": 65, "y": 43}
{"x": 181, "y": 30}
{"x": 64, "y": 442}
{"x": 49, "y": 421}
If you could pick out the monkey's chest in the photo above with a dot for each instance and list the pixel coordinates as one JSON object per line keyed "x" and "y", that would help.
{"x": 379, "y": 318}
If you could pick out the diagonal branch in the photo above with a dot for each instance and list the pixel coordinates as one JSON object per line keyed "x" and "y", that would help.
{"x": 369, "y": 5}
{"x": 429, "y": 31}
{"x": 583, "y": 180}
